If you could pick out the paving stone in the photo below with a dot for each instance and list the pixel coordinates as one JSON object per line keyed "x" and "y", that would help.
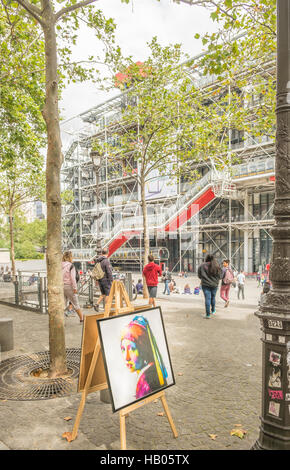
{"x": 221, "y": 385}
{"x": 3, "y": 446}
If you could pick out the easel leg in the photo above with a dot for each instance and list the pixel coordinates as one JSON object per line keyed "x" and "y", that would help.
{"x": 70, "y": 436}
{"x": 168, "y": 414}
{"x": 123, "y": 431}
{"x": 78, "y": 416}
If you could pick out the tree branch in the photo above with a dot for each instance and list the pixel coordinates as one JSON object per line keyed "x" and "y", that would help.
{"x": 62, "y": 12}
{"x": 32, "y": 10}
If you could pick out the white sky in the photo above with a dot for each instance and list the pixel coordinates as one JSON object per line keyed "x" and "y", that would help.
{"x": 137, "y": 22}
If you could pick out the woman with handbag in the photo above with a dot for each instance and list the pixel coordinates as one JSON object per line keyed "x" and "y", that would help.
{"x": 70, "y": 284}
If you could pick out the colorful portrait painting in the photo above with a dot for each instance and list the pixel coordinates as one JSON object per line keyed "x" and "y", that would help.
{"x": 136, "y": 356}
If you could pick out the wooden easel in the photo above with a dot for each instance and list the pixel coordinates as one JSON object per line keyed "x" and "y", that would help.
{"x": 92, "y": 371}
{"x": 92, "y": 376}
{"x": 125, "y": 412}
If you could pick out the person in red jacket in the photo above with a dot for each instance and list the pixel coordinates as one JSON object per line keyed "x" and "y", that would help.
{"x": 151, "y": 272}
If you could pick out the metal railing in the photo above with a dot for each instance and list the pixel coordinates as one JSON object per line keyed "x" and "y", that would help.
{"x": 257, "y": 167}
{"x": 30, "y": 292}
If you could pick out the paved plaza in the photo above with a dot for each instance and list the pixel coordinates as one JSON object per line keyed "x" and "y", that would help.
{"x": 217, "y": 367}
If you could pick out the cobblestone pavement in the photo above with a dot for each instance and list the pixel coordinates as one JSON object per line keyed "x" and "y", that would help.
{"x": 217, "y": 366}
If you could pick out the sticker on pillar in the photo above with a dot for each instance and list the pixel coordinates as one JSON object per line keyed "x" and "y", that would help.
{"x": 275, "y": 378}
{"x": 282, "y": 339}
{"x": 269, "y": 337}
{"x": 287, "y": 397}
{"x": 275, "y": 324}
{"x": 275, "y": 358}
{"x": 276, "y": 394}
{"x": 288, "y": 378}
{"x": 274, "y": 408}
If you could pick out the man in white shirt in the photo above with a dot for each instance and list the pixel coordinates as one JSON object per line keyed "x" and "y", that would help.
{"x": 241, "y": 284}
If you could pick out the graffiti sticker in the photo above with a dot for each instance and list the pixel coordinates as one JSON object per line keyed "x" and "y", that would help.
{"x": 275, "y": 378}
{"x": 275, "y": 358}
{"x": 274, "y": 408}
{"x": 276, "y": 394}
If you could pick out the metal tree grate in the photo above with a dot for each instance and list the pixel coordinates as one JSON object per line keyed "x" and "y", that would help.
{"x": 18, "y": 383}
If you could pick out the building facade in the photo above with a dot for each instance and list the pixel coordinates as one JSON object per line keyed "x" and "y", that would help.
{"x": 227, "y": 214}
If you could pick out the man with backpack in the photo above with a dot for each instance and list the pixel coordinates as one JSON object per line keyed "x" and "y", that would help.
{"x": 227, "y": 279}
{"x": 102, "y": 273}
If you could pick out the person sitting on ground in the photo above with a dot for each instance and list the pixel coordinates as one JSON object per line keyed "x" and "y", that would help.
{"x": 172, "y": 285}
{"x": 32, "y": 280}
{"x": 187, "y": 289}
{"x": 139, "y": 287}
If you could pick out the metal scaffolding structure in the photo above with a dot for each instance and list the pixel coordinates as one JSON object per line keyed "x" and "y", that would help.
{"x": 105, "y": 199}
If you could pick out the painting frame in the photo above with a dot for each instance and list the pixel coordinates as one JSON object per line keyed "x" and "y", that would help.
{"x": 107, "y": 363}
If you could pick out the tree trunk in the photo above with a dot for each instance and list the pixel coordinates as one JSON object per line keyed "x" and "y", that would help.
{"x": 54, "y": 236}
{"x": 12, "y": 251}
{"x": 145, "y": 235}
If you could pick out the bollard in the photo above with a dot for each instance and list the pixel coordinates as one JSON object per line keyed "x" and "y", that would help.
{"x": 129, "y": 289}
{"x": 6, "y": 334}
{"x": 105, "y": 396}
{"x": 16, "y": 287}
{"x": 91, "y": 292}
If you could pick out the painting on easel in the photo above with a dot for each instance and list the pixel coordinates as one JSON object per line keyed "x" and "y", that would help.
{"x": 136, "y": 356}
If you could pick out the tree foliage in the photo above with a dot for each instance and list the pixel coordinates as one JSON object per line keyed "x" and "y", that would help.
{"x": 29, "y": 238}
{"x": 21, "y": 93}
{"x": 242, "y": 54}
{"x": 57, "y": 23}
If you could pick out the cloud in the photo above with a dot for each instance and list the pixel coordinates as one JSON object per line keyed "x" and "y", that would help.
{"x": 137, "y": 22}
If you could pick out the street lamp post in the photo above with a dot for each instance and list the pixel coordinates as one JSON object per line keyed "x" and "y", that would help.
{"x": 274, "y": 311}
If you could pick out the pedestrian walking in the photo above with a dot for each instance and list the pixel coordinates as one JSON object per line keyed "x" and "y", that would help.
{"x": 210, "y": 274}
{"x": 241, "y": 284}
{"x": 102, "y": 273}
{"x": 151, "y": 272}
{"x": 263, "y": 280}
{"x": 166, "y": 277}
{"x": 258, "y": 279}
{"x": 70, "y": 283}
{"x": 227, "y": 279}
